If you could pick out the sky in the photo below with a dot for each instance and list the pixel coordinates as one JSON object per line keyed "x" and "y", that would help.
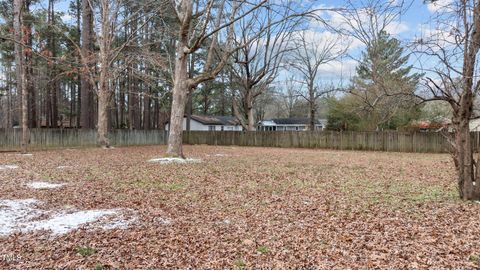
{"x": 410, "y": 25}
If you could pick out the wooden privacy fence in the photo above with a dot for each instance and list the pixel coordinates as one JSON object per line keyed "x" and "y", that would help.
{"x": 375, "y": 141}
{"x": 62, "y": 138}
{"x": 389, "y": 141}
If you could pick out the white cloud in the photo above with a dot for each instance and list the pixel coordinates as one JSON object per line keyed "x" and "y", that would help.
{"x": 438, "y": 5}
{"x": 342, "y": 69}
{"x": 319, "y": 39}
{"x": 66, "y": 17}
{"x": 362, "y": 19}
{"x": 442, "y": 37}
{"x": 396, "y": 28}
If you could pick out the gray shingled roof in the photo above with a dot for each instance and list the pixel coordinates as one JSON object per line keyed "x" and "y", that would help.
{"x": 216, "y": 120}
{"x": 293, "y": 121}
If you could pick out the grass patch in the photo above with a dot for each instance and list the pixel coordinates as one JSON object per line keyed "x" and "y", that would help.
{"x": 396, "y": 193}
{"x": 263, "y": 249}
{"x": 86, "y": 251}
{"x": 474, "y": 258}
{"x": 239, "y": 263}
{"x": 151, "y": 184}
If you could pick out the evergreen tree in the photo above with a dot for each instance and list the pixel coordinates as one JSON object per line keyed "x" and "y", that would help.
{"x": 384, "y": 84}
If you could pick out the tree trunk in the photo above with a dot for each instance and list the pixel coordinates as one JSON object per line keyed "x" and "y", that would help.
{"x": 53, "y": 87}
{"x": 20, "y": 72}
{"x": 312, "y": 116}
{"x": 251, "y": 119}
{"x": 32, "y": 108}
{"x": 248, "y": 107}
{"x": 86, "y": 111}
{"x": 312, "y": 105}
{"x": 78, "y": 106}
{"x": 132, "y": 99}
{"x": 180, "y": 82}
{"x": 146, "y": 109}
{"x": 180, "y": 91}
{"x": 104, "y": 91}
{"x": 103, "y": 100}
{"x": 467, "y": 172}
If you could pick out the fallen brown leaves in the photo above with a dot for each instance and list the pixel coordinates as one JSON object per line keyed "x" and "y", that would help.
{"x": 251, "y": 208}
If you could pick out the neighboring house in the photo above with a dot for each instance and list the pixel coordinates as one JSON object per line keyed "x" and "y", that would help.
{"x": 474, "y": 124}
{"x": 290, "y": 124}
{"x": 437, "y": 124}
{"x": 211, "y": 123}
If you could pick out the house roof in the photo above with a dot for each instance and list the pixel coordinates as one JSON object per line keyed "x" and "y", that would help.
{"x": 216, "y": 120}
{"x": 291, "y": 121}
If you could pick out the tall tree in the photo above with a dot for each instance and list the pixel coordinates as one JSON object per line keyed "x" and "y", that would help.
{"x": 52, "y": 88}
{"x": 384, "y": 85}
{"x": 257, "y": 63}
{"x": 215, "y": 19}
{"x": 453, "y": 76}
{"x": 18, "y": 6}
{"x": 311, "y": 53}
{"x": 86, "y": 97}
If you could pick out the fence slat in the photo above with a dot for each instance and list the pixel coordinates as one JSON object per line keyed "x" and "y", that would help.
{"x": 40, "y": 139}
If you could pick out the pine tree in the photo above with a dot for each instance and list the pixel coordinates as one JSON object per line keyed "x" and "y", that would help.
{"x": 384, "y": 84}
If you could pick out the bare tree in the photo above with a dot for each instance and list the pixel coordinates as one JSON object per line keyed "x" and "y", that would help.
{"x": 257, "y": 64}
{"x": 310, "y": 55}
{"x": 366, "y": 20}
{"x": 289, "y": 96}
{"x": 20, "y": 71}
{"x": 102, "y": 75}
{"x": 370, "y": 23}
{"x": 195, "y": 29}
{"x": 450, "y": 53}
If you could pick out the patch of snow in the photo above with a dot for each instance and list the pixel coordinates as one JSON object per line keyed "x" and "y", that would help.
{"x": 163, "y": 221}
{"x": 25, "y": 216}
{"x": 8, "y": 167}
{"x": 14, "y": 212}
{"x": 26, "y": 155}
{"x": 44, "y": 185}
{"x": 63, "y": 223}
{"x": 174, "y": 160}
{"x": 63, "y": 167}
{"x": 219, "y": 155}
{"x": 118, "y": 224}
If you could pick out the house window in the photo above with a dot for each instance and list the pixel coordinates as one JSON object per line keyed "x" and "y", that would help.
{"x": 211, "y": 128}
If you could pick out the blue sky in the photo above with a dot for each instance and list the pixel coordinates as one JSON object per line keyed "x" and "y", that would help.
{"x": 408, "y": 26}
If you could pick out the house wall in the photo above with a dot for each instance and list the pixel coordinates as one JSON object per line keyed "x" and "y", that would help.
{"x": 197, "y": 126}
{"x": 288, "y": 127}
{"x": 475, "y": 124}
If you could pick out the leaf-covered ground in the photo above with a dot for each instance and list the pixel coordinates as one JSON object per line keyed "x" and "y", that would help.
{"x": 247, "y": 208}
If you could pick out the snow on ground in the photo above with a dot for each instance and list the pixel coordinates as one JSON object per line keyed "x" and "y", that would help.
{"x": 174, "y": 160}
{"x": 63, "y": 167}
{"x": 25, "y": 216}
{"x": 8, "y": 167}
{"x": 218, "y": 155}
{"x": 63, "y": 223}
{"x": 43, "y": 185}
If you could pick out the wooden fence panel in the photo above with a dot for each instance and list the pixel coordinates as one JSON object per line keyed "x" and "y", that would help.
{"x": 40, "y": 139}
{"x": 350, "y": 140}
{"x": 390, "y": 141}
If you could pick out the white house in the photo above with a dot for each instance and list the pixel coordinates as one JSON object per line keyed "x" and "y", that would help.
{"x": 290, "y": 124}
{"x": 211, "y": 123}
{"x": 474, "y": 124}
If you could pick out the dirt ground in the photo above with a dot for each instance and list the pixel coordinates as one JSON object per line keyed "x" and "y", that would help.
{"x": 246, "y": 208}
